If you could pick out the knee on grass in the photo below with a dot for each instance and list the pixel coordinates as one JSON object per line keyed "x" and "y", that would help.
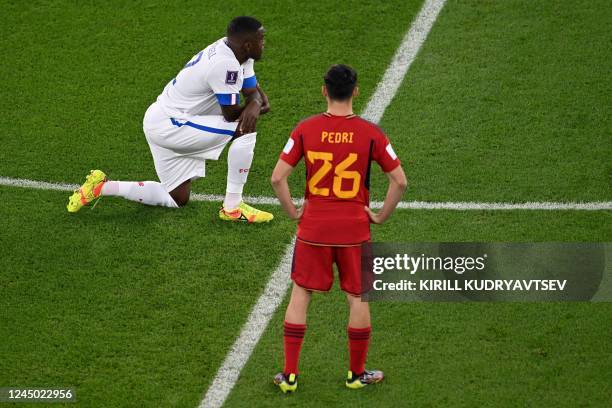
{"x": 181, "y": 194}
{"x": 180, "y": 201}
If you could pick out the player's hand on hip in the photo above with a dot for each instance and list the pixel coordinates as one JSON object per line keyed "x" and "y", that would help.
{"x": 374, "y": 218}
{"x": 296, "y": 213}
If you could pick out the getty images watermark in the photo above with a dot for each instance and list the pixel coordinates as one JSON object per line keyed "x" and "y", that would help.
{"x": 486, "y": 271}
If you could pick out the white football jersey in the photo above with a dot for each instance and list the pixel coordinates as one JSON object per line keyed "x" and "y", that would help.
{"x": 213, "y": 77}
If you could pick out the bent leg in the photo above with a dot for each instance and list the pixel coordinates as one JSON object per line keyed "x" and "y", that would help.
{"x": 181, "y": 193}
{"x": 180, "y": 148}
{"x": 239, "y": 160}
{"x": 145, "y": 192}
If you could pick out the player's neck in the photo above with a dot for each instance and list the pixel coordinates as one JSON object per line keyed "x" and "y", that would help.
{"x": 340, "y": 108}
{"x": 240, "y": 56}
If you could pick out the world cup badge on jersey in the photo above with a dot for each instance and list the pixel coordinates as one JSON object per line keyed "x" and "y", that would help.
{"x": 231, "y": 78}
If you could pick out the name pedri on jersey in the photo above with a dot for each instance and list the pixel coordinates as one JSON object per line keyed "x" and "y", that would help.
{"x": 338, "y": 152}
{"x": 213, "y": 77}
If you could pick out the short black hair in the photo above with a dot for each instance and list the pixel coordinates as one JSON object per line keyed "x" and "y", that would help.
{"x": 340, "y": 81}
{"x": 243, "y": 25}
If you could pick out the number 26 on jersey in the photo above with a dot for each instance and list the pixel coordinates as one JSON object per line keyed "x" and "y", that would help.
{"x": 340, "y": 173}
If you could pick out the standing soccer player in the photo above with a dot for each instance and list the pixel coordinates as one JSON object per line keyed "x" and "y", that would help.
{"x": 338, "y": 148}
{"x": 195, "y": 116}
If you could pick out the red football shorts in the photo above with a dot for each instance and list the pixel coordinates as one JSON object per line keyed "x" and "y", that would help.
{"x": 312, "y": 267}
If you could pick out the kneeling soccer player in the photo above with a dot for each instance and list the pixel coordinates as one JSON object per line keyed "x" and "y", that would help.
{"x": 197, "y": 114}
{"x": 338, "y": 148}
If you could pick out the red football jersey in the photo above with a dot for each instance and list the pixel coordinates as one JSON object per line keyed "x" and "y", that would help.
{"x": 338, "y": 152}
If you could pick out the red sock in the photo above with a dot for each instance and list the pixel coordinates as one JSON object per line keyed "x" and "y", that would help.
{"x": 359, "y": 340}
{"x": 294, "y": 335}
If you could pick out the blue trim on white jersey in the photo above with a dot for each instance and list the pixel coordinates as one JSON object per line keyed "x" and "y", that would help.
{"x": 202, "y": 127}
{"x": 249, "y": 82}
{"x": 228, "y": 99}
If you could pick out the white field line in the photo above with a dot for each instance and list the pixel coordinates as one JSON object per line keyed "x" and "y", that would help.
{"x": 403, "y": 58}
{"x": 251, "y": 332}
{"x": 261, "y": 313}
{"x": 407, "y": 205}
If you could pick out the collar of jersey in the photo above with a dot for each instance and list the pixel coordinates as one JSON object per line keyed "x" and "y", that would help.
{"x": 352, "y": 115}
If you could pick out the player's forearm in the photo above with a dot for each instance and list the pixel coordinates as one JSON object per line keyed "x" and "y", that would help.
{"x": 394, "y": 196}
{"x": 265, "y": 107}
{"x": 261, "y": 92}
{"x": 231, "y": 113}
{"x": 253, "y": 103}
{"x": 281, "y": 188}
{"x": 254, "y": 97}
{"x": 250, "y": 114}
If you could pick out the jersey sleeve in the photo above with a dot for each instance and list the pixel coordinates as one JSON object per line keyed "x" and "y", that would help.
{"x": 383, "y": 153}
{"x": 294, "y": 149}
{"x": 250, "y": 81}
{"x": 224, "y": 80}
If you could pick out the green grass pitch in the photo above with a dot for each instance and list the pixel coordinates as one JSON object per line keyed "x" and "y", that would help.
{"x": 135, "y": 306}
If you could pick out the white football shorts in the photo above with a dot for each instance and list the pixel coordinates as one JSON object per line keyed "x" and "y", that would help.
{"x": 180, "y": 148}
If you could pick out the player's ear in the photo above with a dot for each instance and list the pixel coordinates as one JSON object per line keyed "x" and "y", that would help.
{"x": 356, "y": 92}
{"x": 324, "y": 91}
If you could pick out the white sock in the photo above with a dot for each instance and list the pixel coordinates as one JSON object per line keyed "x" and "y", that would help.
{"x": 232, "y": 200}
{"x": 145, "y": 192}
{"x": 239, "y": 160}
